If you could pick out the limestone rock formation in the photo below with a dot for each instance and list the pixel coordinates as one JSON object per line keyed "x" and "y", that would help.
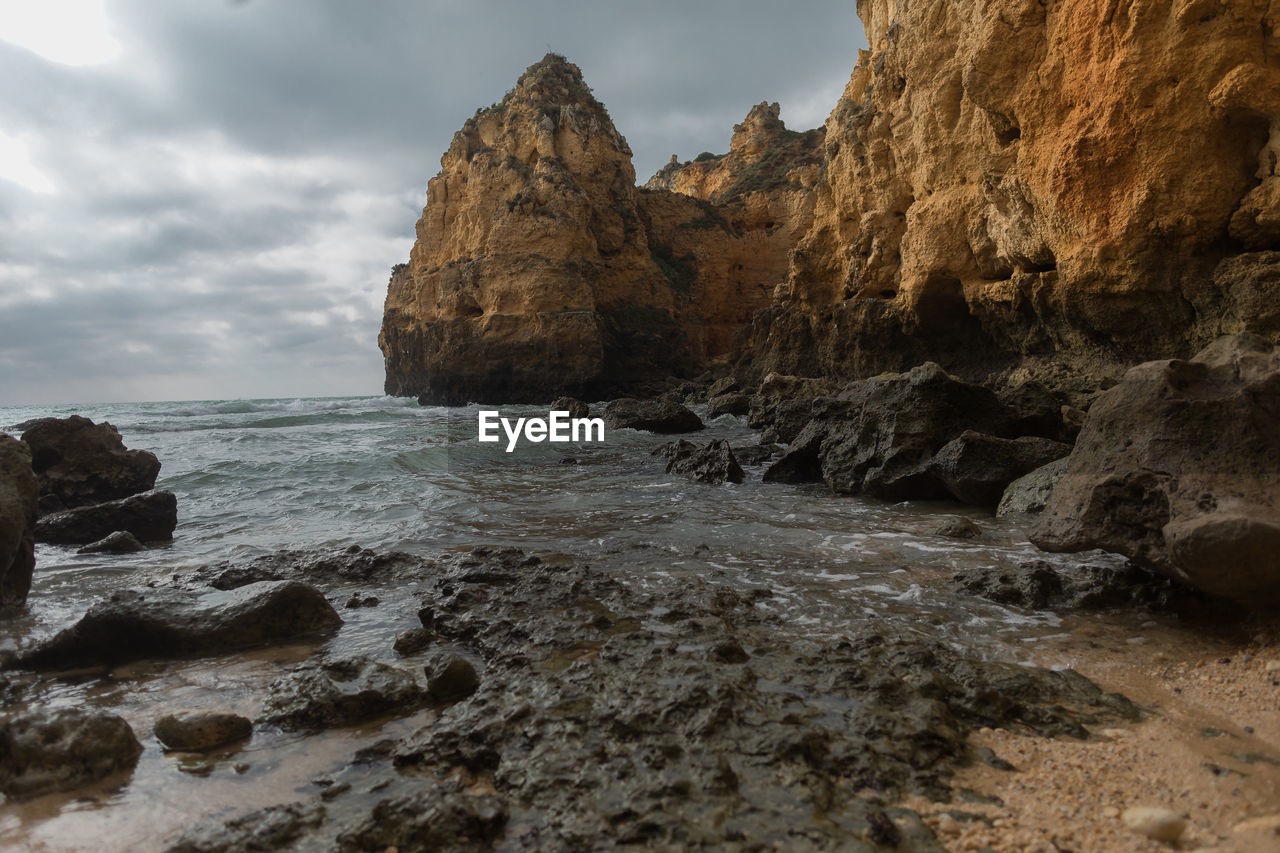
{"x": 1063, "y": 187}
{"x": 1178, "y": 468}
{"x": 540, "y": 269}
{"x": 18, "y": 490}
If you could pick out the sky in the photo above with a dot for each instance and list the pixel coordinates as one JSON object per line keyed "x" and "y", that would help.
{"x": 204, "y": 200}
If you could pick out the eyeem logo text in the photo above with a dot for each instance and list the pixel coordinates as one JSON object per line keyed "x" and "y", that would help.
{"x": 557, "y": 427}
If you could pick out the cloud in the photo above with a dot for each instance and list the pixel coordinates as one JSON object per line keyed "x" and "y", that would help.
{"x": 213, "y": 210}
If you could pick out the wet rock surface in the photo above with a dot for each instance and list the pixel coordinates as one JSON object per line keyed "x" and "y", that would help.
{"x": 1029, "y": 494}
{"x": 661, "y": 416}
{"x": 120, "y": 542}
{"x": 575, "y": 407}
{"x": 46, "y": 750}
{"x": 150, "y": 517}
{"x": 976, "y": 468}
{"x": 139, "y": 624}
{"x": 676, "y": 714}
{"x": 1176, "y": 468}
{"x": 340, "y": 693}
{"x": 353, "y": 564}
{"x": 18, "y": 496}
{"x": 713, "y": 463}
{"x": 80, "y": 463}
{"x": 732, "y": 403}
{"x": 272, "y": 828}
{"x": 1036, "y": 585}
{"x": 198, "y": 730}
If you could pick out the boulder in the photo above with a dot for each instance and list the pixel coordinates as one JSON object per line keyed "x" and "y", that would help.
{"x": 445, "y": 817}
{"x": 193, "y": 731}
{"x": 733, "y": 403}
{"x": 18, "y": 490}
{"x": 80, "y": 463}
{"x": 451, "y": 677}
{"x": 149, "y": 517}
{"x": 661, "y": 416}
{"x": 712, "y": 463}
{"x": 340, "y": 693}
{"x": 46, "y": 750}
{"x": 138, "y": 624}
{"x": 120, "y": 542}
{"x": 1029, "y": 493}
{"x": 575, "y": 407}
{"x": 1177, "y": 467}
{"x": 975, "y": 468}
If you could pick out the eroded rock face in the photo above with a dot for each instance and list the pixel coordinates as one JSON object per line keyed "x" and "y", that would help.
{"x": 661, "y": 416}
{"x": 540, "y": 268}
{"x": 1056, "y": 184}
{"x": 80, "y": 463}
{"x": 341, "y": 693}
{"x": 18, "y": 491}
{"x": 1178, "y": 468}
{"x": 138, "y": 624}
{"x": 46, "y": 750}
{"x": 713, "y": 462}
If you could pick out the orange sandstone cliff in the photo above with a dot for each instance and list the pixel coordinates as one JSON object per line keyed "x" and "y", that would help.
{"x": 540, "y": 268}
{"x": 1062, "y": 186}
{"x": 1013, "y": 188}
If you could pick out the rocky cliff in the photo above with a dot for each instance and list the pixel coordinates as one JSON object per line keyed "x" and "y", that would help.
{"x": 540, "y": 268}
{"x": 1063, "y": 186}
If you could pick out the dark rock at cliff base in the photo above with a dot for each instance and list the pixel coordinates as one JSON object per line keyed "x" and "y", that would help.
{"x": 976, "y": 468}
{"x": 1177, "y": 468}
{"x": 734, "y": 403}
{"x": 353, "y": 564}
{"x": 138, "y": 624}
{"x": 575, "y": 407}
{"x": 447, "y": 818}
{"x": 150, "y": 517}
{"x": 1035, "y": 410}
{"x": 197, "y": 730}
{"x": 712, "y": 463}
{"x": 46, "y": 750}
{"x": 756, "y": 454}
{"x": 272, "y": 828}
{"x": 18, "y": 490}
{"x": 958, "y": 528}
{"x": 341, "y": 693}
{"x": 661, "y": 416}
{"x": 120, "y": 542}
{"x": 1029, "y": 493}
{"x": 80, "y": 463}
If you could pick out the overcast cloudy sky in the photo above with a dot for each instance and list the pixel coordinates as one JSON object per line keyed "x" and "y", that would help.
{"x": 203, "y": 199}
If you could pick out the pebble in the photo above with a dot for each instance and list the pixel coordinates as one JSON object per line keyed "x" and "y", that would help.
{"x": 1272, "y": 666}
{"x": 198, "y": 730}
{"x": 1267, "y": 824}
{"x": 1155, "y": 823}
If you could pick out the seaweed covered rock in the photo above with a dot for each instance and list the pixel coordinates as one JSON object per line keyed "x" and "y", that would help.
{"x": 1177, "y": 468}
{"x": 46, "y": 750}
{"x": 139, "y": 624}
{"x": 148, "y": 517}
{"x": 80, "y": 463}
{"x": 18, "y": 495}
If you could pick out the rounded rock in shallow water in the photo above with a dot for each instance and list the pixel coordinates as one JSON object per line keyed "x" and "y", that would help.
{"x": 200, "y": 730}
{"x": 57, "y": 750}
{"x": 451, "y": 677}
{"x": 412, "y": 641}
{"x": 1155, "y": 823}
{"x": 120, "y": 542}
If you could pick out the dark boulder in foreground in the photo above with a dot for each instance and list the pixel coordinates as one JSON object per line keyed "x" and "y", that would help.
{"x": 80, "y": 463}
{"x": 18, "y": 490}
{"x": 732, "y": 403}
{"x": 662, "y": 416}
{"x": 340, "y": 693}
{"x": 975, "y": 468}
{"x": 712, "y": 463}
{"x": 139, "y": 624}
{"x": 1178, "y": 468}
{"x": 44, "y": 750}
{"x": 150, "y": 517}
